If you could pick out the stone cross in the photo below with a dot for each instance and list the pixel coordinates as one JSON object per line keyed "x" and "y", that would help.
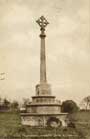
{"x": 42, "y": 22}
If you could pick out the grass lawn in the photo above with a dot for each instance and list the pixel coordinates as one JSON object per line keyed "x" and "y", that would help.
{"x": 9, "y": 122}
{"x": 82, "y": 122}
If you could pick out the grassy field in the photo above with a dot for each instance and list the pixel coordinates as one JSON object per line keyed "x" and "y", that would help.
{"x": 10, "y": 124}
{"x": 82, "y": 122}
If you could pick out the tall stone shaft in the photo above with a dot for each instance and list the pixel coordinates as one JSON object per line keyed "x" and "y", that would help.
{"x": 43, "y": 76}
{"x": 43, "y": 89}
{"x": 42, "y": 23}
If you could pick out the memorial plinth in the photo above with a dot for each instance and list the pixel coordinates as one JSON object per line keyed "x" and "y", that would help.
{"x": 44, "y": 108}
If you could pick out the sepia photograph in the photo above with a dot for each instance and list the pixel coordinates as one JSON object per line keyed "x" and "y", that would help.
{"x": 44, "y": 69}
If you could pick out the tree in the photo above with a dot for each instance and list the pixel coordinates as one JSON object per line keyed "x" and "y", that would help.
{"x": 6, "y": 104}
{"x": 26, "y": 101}
{"x": 85, "y": 104}
{"x": 14, "y": 105}
{"x": 69, "y": 106}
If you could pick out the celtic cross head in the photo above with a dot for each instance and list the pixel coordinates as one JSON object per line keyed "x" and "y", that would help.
{"x": 42, "y": 22}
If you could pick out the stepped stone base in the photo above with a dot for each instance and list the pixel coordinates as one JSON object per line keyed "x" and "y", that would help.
{"x": 42, "y": 119}
{"x": 44, "y": 109}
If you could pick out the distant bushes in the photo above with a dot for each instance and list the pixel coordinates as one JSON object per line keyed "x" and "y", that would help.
{"x": 6, "y": 105}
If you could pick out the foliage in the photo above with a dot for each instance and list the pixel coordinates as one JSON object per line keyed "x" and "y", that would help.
{"x": 69, "y": 106}
{"x": 85, "y": 104}
{"x": 14, "y": 105}
{"x": 4, "y": 104}
{"x": 26, "y": 101}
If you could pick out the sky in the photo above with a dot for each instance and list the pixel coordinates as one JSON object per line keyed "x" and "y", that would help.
{"x": 67, "y": 47}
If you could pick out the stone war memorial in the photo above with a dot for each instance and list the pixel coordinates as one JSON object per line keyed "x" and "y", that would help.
{"x": 44, "y": 110}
